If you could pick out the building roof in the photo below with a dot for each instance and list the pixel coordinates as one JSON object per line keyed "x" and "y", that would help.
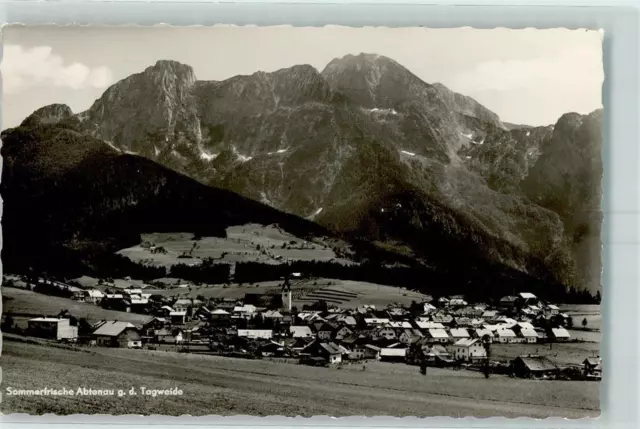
{"x": 46, "y": 319}
{"x": 396, "y": 324}
{"x": 112, "y": 328}
{"x": 538, "y": 363}
{"x": 480, "y": 332}
{"x": 178, "y": 313}
{"x": 527, "y": 295}
{"x": 386, "y": 351}
{"x": 94, "y": 293}
{"x": 560, "y": 333}
{"x": 459, "y": 333}
{"x": 506, "y": 299}
{"x": 553, "y": 307}
{"x": 525, "y": 325}
{"x": 332, "y": 348}
{"x": 505, "y": 333}
{"x": 300, "y": 331}
{"x": 529, "y": 332}
{"x": 274, "y": 314}
{"x": 466, "y": 342}
{"x": 429, "y": 325}
{"x": 218, "y": 311}
{"x": 592, "y": 361}
{"x": 438, "y": 333}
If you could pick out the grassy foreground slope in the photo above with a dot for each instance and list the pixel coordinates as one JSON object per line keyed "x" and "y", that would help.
{"x": 223, "y": 386}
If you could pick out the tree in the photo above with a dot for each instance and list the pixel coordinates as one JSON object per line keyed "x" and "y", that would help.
{"x": 584, "y": 322}
{"x": 570, "y": 322}
{"x": 8, "y": 322}
{"x": 598, "y": 297}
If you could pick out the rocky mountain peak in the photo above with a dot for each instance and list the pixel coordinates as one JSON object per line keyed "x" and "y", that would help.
{"x": 51, "y": 114}
{"x": 172, "y": 70}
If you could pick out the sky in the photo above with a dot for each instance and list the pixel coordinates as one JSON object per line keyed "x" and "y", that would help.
{"x": 526, "y": 76}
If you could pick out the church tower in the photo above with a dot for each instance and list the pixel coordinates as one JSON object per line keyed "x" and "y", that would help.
{"x": 286, "y": 293}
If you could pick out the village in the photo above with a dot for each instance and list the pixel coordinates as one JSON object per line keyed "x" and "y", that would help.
{"x": 440, "y": 332}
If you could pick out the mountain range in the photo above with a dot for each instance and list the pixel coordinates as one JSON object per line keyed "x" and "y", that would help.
{"x": 363, "y": 149}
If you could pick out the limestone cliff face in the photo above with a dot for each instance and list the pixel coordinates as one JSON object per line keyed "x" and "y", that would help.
{"x": 365, "y": 134}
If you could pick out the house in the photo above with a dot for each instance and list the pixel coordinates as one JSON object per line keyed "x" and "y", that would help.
{"x": 393, "y": 353}
{"x": 246, "y": 311}
{"x": 526, "y": 331}
{"x": 443, "y": 318}
{"x": 505, "y": 335}
{"x": 399, "y": 324}
{"x": 343, "y": 332}
{"x": 469, "y": 349}
{"x": 300, "y": 332}
{"x": 458, "y": 334}
{"x": 481, "y": 332}
{"x": 219, "y": 314}
{"x": 153, "y": 325}
{"x": 166, "y": 310}
{"x": 255, "y": 333}
{"x": 370, "y": 351}
{"x": 375, "y": 321}
{"x": 273, "y": 315}
{"x": 409, "y": 336}
{"x": 53, "y": 328}
{"x": 438, "y": 335}
{"x": 385, "y": 333}
{"x": 326, "y": 331}
{"x": 93, "y": 295}
{"x": 552, "y": 310}
{"x": 528, "y": 298}
{"x": 508, "y": 303}
{"x": 533, "y": 366}
{"x": 559, "y": 334}
{"x": 428, "y": 308}
{"x": 592, "y": 368}
{"x": 456, "y": 302}
{"x": 424, "y": 325}
{"x": 329, "y": 351}
{"x": 164, "y": 335}
{"x": 178, "y": 317}
{"x": 117, "y": 334}
{"x": 272, "y": 348}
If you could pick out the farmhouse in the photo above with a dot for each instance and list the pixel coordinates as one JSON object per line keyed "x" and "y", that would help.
{"x": 469, "y": 349}
{"x": 330, "y": 352}
{"x": 370, "y": 351}
{"x": 559, "y": 334}
{"x": 117, "y": 334}
{"x": 52, "y": 328}
{"x": 592, "y": 368}
{"x": 409, "y": 336}
{"x": 325, "y": 331}
{"x": 533, "y": 366}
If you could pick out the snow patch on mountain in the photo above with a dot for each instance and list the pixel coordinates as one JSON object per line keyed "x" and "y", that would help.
{"x": 528, "y": 133}
{"x": 408, "y": 153}
{"x": 241, "y": 158}
{"x": 278, "y": 151}
{"x": 466, "y": 135}
{"x": 206, "y": 156}
{"x": 387, "y": 111}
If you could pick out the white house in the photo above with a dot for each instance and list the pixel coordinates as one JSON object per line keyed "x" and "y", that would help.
{"x": 438, "y": 335}
{"x": 560, "y": 334}
{"x": 256, "y": 333}
{"x": 505, "y": 336}
{"x": 469, "y": 349}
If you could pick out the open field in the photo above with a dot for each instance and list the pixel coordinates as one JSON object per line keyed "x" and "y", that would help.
{"x": 343, "y": 293}
{"x": 246, "y": 243}
{"x": 225, "y": 386}
{"x": 560, "y": 353}
{"x": 36, "y": 304}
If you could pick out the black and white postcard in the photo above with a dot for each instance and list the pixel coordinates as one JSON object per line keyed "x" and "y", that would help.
{"x": 301, "y": 221}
